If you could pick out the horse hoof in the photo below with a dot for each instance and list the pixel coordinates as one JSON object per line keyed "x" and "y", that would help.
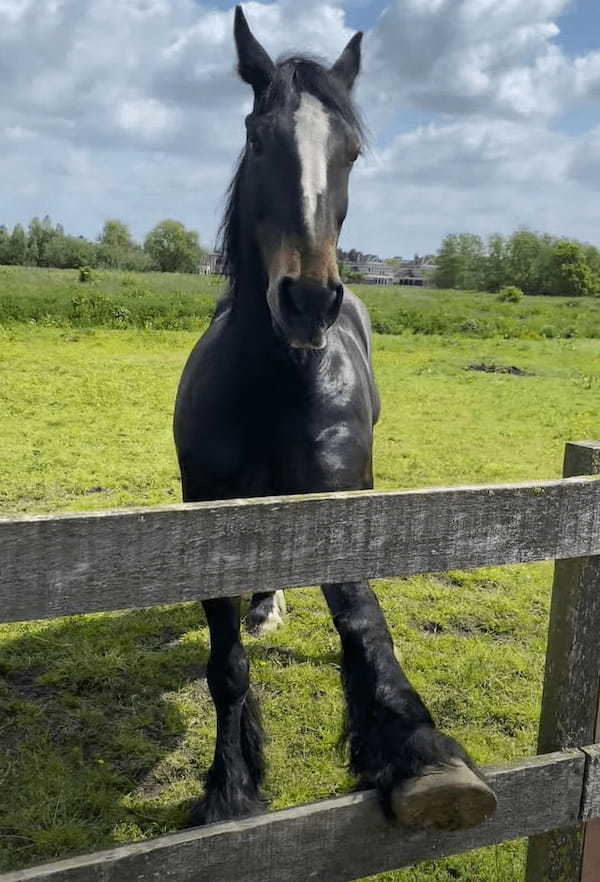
{"x": 445, "y": 797}
{"x": 260, "y": 621}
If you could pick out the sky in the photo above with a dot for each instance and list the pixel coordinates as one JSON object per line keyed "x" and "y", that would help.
{"x": 484, "y": 115}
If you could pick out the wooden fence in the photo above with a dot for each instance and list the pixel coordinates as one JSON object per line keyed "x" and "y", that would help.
{"x": 59, "y": 565}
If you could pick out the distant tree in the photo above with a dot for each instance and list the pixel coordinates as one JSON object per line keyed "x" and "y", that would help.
{"x": 172, "y": 248}
{"x": 592, "y": 256}
{"x": 39, "y": 235}
{"x": 495, "y": 267}
{"x": 448, "y": 269}
{"x": 536, "y": 263}
{"x": 115, "y": 234}
{"x": 70, "y": 252}
{"x": 570, "y": 273}
{"x": 17, "y": 246}
{"x": 459, "y": 262}
{"x": 117, "y": 250}
{"x": 4, "y": 244}
{"x": 471, "y": 249}
{"x": 35, "y": 248}
{"x": 136, "y": 260}
{"x": 528, "y": 257}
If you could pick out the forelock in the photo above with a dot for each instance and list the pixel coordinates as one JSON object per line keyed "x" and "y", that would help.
{"x": 300, "y": 73}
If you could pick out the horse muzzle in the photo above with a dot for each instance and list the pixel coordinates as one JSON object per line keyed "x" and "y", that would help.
{"x": 303, "y": 311}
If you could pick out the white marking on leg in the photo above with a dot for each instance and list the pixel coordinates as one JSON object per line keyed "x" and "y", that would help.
{"x": 312, "y": 137}
{"x": 275, "y": 618}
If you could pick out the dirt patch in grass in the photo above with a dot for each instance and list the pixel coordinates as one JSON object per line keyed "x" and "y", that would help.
{"x": 446, "y": 580}
{"x": 469, "y": 628}
{"x": 25, "y": 683}
{"x": 166, "y": 639}
{"x": 431, "y": 627}
{"x": 512, "y": 369}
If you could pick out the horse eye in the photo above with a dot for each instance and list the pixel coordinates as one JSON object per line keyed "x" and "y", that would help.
{"x": 353, "y": 154}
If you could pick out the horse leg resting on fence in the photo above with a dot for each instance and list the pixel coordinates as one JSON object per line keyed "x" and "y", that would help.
{"x": 278, "y": 397}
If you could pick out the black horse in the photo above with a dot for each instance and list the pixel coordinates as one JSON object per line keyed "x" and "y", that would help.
{"x": 278, "y": 397}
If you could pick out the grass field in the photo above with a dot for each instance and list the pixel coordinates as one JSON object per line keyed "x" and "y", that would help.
{"x": 106, "y": 726}
{"x": 170, "y": 301}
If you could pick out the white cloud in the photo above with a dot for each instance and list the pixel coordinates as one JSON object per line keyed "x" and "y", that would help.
{"x": 149, "y": 96}
{"x": 585, "y": 163}
{"x": 147, "y": 116}
{"x": 139, "y": 114}
{"x": 471, "y": 175}
{"x": 472, "y": 57}
{"x": 587, "y": 76}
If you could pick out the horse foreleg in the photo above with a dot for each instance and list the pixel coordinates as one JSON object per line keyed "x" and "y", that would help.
{"x": 233, "y": 783}
{"x": 424, "y": 778}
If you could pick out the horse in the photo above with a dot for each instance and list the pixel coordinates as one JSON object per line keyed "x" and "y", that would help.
{"x": 278, "y": 397}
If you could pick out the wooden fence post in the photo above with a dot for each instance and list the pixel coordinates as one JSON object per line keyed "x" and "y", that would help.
{"x": 570, "y": 703}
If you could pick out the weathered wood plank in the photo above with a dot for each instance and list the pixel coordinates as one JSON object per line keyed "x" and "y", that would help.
{"x": 54, "y": 566}
{"x": 570, "y": 697}
{"x": 335, "y": 840}
{"x": 590, "y": 803}
{"x": 590, "y": 812}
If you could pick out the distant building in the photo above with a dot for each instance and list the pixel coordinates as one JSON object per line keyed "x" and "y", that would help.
{"x": 415, "y": 272}
{"x": 212, "y": 264}
{"x": 373, "y": 272}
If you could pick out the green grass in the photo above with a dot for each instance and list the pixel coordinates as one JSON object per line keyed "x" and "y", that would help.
{"x": 50, "y": 297}
{"x": 106, "y": 725}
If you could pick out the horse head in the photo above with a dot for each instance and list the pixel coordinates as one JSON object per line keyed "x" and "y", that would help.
{"x": 303, "y": 136}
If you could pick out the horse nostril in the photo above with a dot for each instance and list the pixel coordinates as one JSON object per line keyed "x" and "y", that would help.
{"x": 334, "y": 308}
{"x": 288, "y": 296}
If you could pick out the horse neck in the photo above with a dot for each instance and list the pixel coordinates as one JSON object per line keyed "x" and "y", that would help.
{"x": 249, "y": 286}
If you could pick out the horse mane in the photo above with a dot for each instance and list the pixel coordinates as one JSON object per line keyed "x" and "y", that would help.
{"x": 293, "y": 74}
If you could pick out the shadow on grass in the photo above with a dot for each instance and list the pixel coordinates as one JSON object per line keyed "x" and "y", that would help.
{"x": 105, "y": 730}
{"x": 281, "y": 656}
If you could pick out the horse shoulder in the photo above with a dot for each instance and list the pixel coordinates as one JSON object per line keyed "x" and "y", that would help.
{"x": 356, "y": 313}
{"x": 205, "y": 422}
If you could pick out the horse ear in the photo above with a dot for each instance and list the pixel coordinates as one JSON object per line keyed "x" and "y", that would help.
{"x": 254, "y": 64}
{"x": 347, "y": 66}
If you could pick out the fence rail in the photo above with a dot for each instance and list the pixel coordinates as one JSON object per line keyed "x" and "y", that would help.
{"x": 333, "y": 840}
{"x": 84, "y": 563}
{"x": 58, "y": 565}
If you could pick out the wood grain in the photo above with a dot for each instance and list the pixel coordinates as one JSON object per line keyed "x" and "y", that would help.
{"x": 590, "y": 803}
{"x": 570, "y": 696}
{"x": 335, "y": 840}
{"x": 60, "y": 565}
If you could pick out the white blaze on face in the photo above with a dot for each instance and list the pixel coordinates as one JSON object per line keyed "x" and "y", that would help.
{"x": 312, "y": 136}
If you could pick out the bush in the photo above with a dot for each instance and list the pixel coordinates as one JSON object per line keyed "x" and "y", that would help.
{"x": 121, "y": 316}
{"x": 85, "y": 274}
{"x": 510, "y": 294}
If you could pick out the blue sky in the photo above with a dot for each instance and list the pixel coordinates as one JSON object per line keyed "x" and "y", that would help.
{"x": 579, "y": 26}
{"x": 485, "y": 114}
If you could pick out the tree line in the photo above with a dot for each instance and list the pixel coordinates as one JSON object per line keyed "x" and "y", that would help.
{"x": 168, "y": 247}
{"x": 537, "y": 263}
